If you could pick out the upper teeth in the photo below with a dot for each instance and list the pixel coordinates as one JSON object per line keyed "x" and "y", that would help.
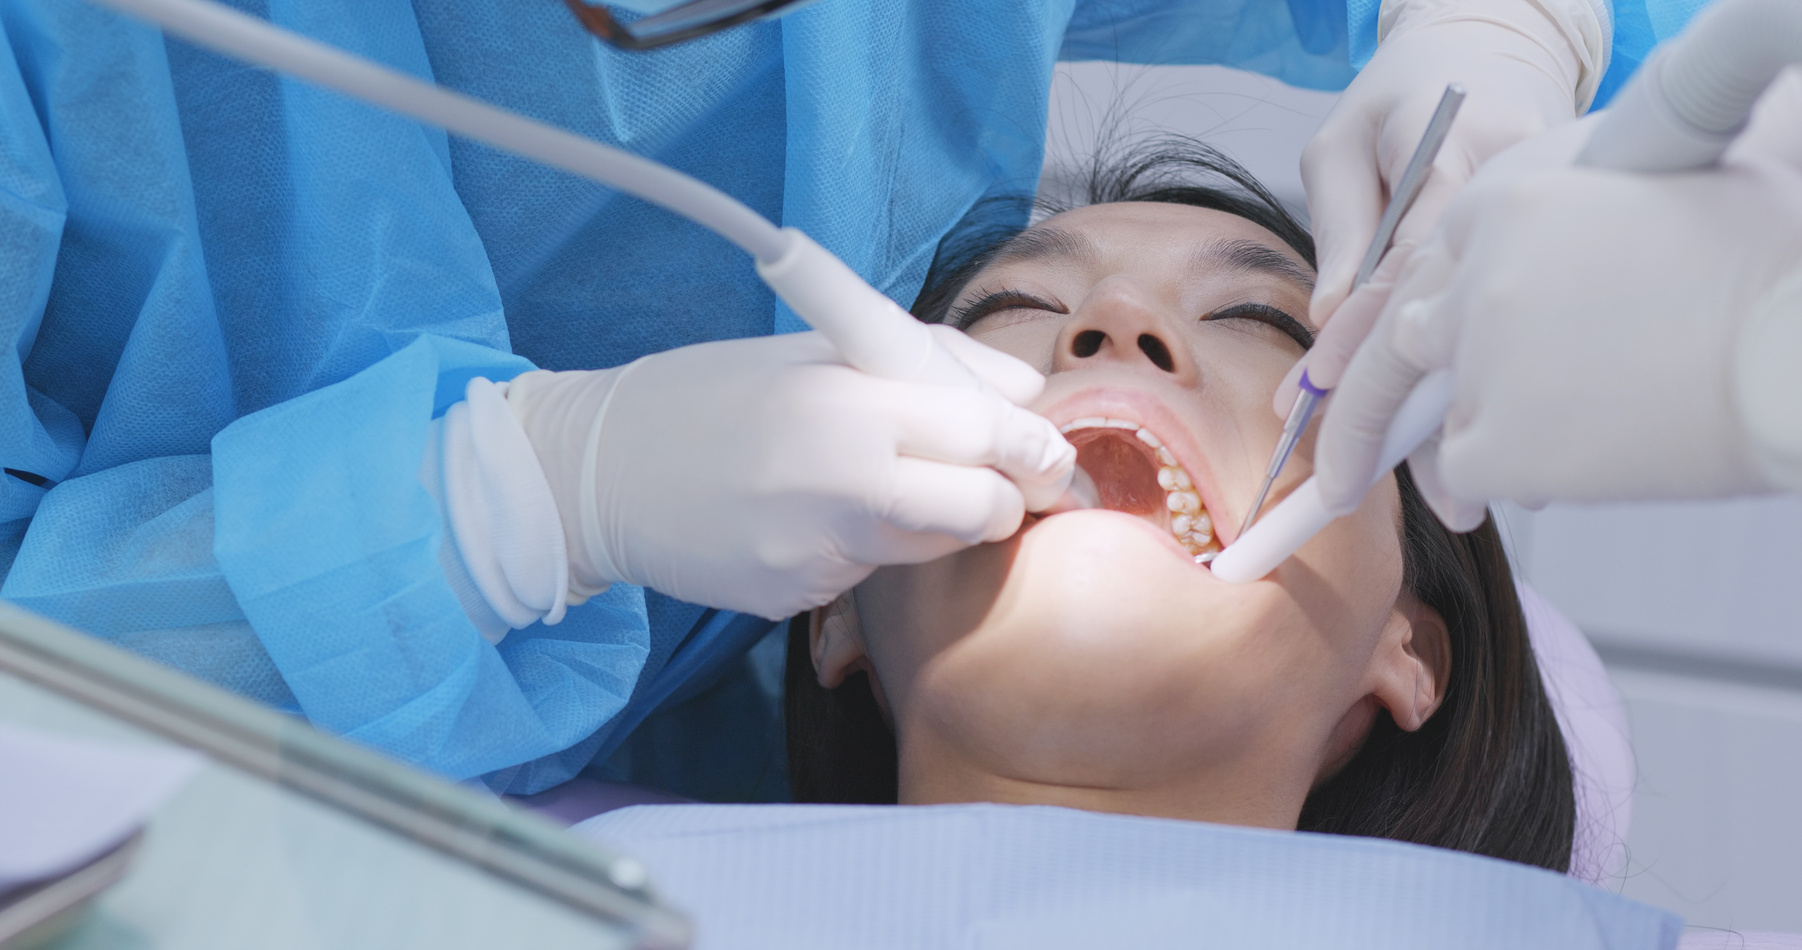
{"x": 1098, "y": 422}
{"x": 1189, "y": 520}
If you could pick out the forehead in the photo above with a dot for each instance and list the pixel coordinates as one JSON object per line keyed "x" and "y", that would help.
{"x": 1153, "y": 236}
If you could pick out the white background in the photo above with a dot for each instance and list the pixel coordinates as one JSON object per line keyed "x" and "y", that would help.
{"x": 1696, "y": 608}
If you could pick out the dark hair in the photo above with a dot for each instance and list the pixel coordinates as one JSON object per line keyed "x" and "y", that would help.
{"x": 1488, "y": 773}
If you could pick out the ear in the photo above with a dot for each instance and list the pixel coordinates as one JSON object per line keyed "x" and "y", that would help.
{"x": 1413, "y": 664}
{"x": 835, "y": 640}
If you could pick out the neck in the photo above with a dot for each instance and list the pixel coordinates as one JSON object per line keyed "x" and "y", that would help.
{"x": 935, "y": 771}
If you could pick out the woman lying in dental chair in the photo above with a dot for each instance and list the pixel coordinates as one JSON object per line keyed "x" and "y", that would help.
{"x": 1379, "y": 684}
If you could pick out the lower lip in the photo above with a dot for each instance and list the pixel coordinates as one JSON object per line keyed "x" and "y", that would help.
{"x": 1161, "y": 535}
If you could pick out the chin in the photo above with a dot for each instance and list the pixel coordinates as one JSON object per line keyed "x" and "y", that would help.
{"x": 1109, "y": 652}
{"x": 1100, "y": 594}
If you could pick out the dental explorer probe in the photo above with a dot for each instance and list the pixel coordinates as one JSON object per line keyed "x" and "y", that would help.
{"x": 873, "y": 333}
{"x": 1413, "y": 177}
{"x": 1680, "y": 111}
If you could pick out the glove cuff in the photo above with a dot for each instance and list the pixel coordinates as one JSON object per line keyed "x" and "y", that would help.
{"x": 1769, "y": 351}
{"x": 1577, "y": 35}
{"x": 501, "y": 511}
{"x": 561, "y": 416}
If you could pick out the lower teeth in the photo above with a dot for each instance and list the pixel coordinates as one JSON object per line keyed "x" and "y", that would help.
{"x": 1189, "y": 522}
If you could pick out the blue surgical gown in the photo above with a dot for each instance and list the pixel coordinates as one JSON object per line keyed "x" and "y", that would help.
{"x": 234, "y": 302}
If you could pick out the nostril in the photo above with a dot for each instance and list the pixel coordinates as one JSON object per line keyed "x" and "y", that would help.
{"x": 1087, "y": 343}
{"x": 1155, "y": 350}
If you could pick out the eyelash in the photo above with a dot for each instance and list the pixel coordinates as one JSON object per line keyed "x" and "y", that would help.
{"x": 994, "y": 303}
{"x": 999, "y": 301}
{"x": 1264, "y": 313}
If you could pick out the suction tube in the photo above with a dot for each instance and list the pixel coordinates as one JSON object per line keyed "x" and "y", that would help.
{"x": 256, "y": 41}
{"x": 1694, "y": 96}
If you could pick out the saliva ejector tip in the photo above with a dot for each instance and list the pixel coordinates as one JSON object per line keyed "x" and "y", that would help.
{"x": 1080, "y": 496}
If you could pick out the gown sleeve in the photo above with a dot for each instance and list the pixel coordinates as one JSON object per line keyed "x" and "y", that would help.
{"x": 233, "y": 306}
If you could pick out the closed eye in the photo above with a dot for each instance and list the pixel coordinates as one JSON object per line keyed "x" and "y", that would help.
{"x": 1264, "y": 313}
{"x": 965, "y": 317}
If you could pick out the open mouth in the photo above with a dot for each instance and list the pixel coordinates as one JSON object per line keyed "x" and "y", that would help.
{"x": 1135, "y": 474}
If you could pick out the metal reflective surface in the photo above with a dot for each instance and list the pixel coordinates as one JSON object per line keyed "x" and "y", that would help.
{"x": 295, "y": 838}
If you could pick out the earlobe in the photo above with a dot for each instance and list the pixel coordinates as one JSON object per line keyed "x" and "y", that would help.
{"x": 835, "y": 640}
{"x": 1415, "y": 664}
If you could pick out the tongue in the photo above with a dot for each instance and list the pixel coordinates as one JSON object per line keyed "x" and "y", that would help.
{"x": 1124, "y": 470}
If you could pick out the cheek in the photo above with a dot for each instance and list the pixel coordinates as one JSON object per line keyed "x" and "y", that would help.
{"x": 1031, "y": 340}
{"x": 911, "y": 613}
{"x": 1238, "y": 375}
{"x": 1347, "y": 578}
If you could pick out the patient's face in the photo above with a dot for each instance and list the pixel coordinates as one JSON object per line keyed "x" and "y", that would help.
{"x": 1091, "y": 650}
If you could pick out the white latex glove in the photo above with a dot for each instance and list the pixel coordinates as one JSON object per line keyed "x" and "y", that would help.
{"x": 766, "y": 476}
{"x": 1335, "y": 344}
{"x": 1613, "y": 335}
{"x": 1527, "y": 65}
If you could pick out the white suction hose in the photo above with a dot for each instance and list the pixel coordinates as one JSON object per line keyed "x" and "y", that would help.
{"x": 1693, "y": 97}
{"x": 870, "y": 330}
{"x": 1680, "y": 111}
{"x": 244, "y": 37}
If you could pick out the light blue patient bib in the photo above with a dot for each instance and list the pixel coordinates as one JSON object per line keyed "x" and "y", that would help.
{"x": 999, "y": 876}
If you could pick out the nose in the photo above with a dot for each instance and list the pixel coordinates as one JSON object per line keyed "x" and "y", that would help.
{"x": 1117, "y": 323}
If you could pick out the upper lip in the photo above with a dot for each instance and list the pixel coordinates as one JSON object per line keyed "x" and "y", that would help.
{"x": 1121, "y": 400}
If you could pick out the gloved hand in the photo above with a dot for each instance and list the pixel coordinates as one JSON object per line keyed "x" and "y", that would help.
{"x": 1335, "y": 344}
{"x": 1612, "y": 335}
{"x": 1527, "y": 65}
{"x": 765, "y": 475}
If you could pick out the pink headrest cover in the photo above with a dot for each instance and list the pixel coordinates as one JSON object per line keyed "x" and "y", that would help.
{"x": 1594, "y": 724}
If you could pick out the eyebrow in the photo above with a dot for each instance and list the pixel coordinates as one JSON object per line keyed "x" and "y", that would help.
{"x": 1244, "y": 255}
{"x": 1041, "y": 243}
